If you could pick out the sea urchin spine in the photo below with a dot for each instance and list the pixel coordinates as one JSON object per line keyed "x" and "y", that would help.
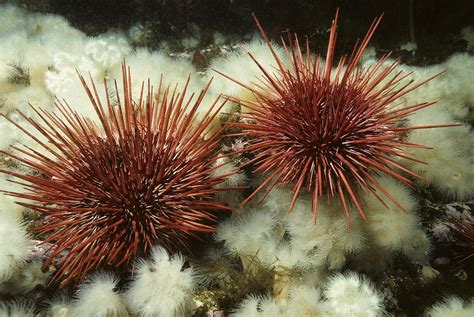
{"x": 111, "y": 191}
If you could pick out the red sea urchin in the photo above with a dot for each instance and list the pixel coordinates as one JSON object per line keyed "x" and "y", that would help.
{"x": 329, "y": 130}
{"x": 111, "y": 191}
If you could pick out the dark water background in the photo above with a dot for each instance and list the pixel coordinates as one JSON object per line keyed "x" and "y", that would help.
{"x": 435, "y": 25}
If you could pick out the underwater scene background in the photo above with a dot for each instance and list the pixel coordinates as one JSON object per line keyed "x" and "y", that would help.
{"x": 236, "y": 158}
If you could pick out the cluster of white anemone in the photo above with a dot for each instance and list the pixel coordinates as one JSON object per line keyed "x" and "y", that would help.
{"x": 294, "y": 242}
{"x": 161, "y": 286}
{"x": 344, "y": 295}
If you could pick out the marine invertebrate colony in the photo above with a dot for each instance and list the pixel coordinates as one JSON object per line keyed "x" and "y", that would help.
{"x": 112, "y": 189}
{"x": 328, "y": 130}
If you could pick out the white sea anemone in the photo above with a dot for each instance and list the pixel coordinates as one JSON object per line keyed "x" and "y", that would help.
{"x": 16, "y": 309}
{"x": 60, "y": 306}
{"x": 246, "y": 232}
{"x": 14, "y": 244}
{"x": 25, "y": 278}
{"x": 8, "y": 206}
{"x": 328, "y": 240}
{"x": 305, "y": 300}
{"x": 146, "y": 65}
{"x": 450, "y": 166}
{"x": 452, "y": 307}
{"x": 352, "y": 295}
{"x": 98, "y": 297}
{"x": 391, "y": 227}
{"x": 239, "y": 66}
{"x": 259, "y": 306}
{"x": 162, "y": 287}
